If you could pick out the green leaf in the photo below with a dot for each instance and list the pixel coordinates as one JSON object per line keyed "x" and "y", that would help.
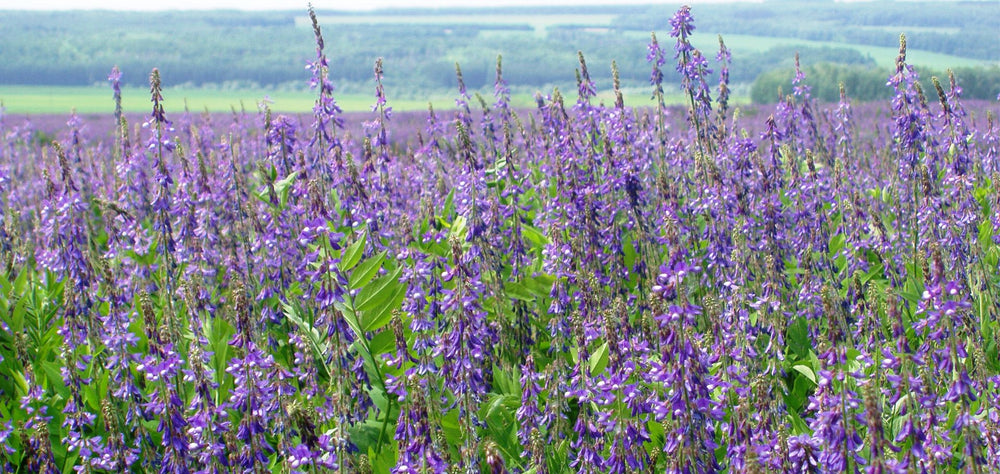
{"x": 497, "y": 410}
{"x": 518, "y": 291}
{"x": 380, "y": 315}
{"x": 350, "y": 316}
{"x": 876, "y": 272}
{"x": 539, "y": 284}
{"x": 17, "y": 316}
{"x": 361, "y": 344}
{"x": 315, "y": 338}
{"x": 498, "y": 165}
{"x": 837, "y": 243}
{"x": 841, "y": 263}
{"x": 366, "y": 270}
{"x": 352, "y": 254}
{"x": 95, "y": 391}
{"x": 54, "y": 380}
{"x": 505, "y": 382}
{"x": 384, "y": 461}
{"x": 630, "y": 253}
{"x": 20, "y": 381}
{"x": 21, "y": 283}
{"x": 806, "y": 371}
{"x": 799, "y": 426}
{"x": 797, "y": 339}
{"x": 599, "y": 359}
{"x": 911, "y": 296}
{"x": 985, "y": 233}
{"x": 378, "y": 292}
{"x": 284, "y": 186}
{"x": 534, "y": 236}
{"x": 261, "y": 196}
{"x": 559, "y": 462}
{"x": 4, "y": 285}
{"x": 365, "y": 435}
{"x": 801, "y": 388}
{"x": 382, "y": 343}
{"x": 458, "y": 229}
{"x": 449, "y": 204}
{"x": 992, "y": 351}
{"x": 853, "y": 359}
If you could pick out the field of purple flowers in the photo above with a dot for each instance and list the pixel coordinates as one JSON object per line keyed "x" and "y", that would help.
{"x": 576, "y": 288}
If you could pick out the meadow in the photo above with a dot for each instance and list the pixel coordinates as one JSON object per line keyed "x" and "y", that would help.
{"x": 883, "y": 56}
{"x": 585, "y": 284}
{"x": 41, "y": 101}
{"x": 47, "y": 100}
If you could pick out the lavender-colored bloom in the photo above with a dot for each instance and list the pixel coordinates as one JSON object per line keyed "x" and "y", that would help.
{"x": 326, "y": 112}
{"x": 823, "y": 303}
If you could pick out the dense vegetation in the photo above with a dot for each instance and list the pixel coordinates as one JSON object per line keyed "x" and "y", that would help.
{"x": 574, "y": 288}
{"x": 966, "y": 29}
{"x": 868, "y": 84}
{"x": 237, "y": 49}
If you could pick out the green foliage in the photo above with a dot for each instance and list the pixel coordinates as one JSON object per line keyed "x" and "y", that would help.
{"x": 864, "y": 83}
{"x": 968, "y": 30}
{"x": 222, "y": 50}
{"x": 766, "y": 348}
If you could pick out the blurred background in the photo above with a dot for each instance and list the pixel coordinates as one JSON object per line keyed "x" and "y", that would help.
{"x": 55, "y": 55}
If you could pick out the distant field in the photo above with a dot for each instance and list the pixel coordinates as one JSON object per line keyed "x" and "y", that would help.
{"x": 89, "y": 100}
{"x": 884, "y": 56}
{"x": 98, "y": 100}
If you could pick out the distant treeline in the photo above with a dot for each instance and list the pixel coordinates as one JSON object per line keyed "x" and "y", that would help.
{"x": 866, "y": 84}
{"x": 967, "y": 29}
{"x": 271, "y": 48}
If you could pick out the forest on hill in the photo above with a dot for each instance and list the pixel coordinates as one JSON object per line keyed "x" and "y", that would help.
{"x": 852, "y": 43}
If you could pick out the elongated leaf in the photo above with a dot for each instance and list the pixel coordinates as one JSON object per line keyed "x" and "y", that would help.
{"x": 366, "y": 270}
{"x": 284, "y": 186}
{"x": 315, "y": 338}
{"x": 540, "y": 284}
{"x": 837, "y": 243}
{"x": 385, "y": 460}
{"x": 534, "y": 236}
{"x": 17, "y": 315}
{"x": 350, "y": 316}
{"x": 799, "y": 426}
{"x": 985, "y": 236}
{"x": 518, "y": 291}
{"x": 365, "y": 435}
{"x": 599, "y": 359}
{"x": 361, "y": 343}
{"x": 797, "y": 340}
{"x": 380, "y": 315}
{"x": 505, "y": 382}
{"x": 21, "y": 283}
{"x": 806, "y": 371}
{"x": 382, "y": 343}
{"x": 458, "y": 228}
{"x": 352, "y": 254}
{"x": 378, "y": 292}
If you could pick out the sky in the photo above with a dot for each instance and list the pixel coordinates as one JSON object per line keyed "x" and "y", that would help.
{"x": 360, "y": 5}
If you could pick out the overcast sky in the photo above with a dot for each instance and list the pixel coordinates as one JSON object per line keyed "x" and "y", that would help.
{"x": 295, "y": 4}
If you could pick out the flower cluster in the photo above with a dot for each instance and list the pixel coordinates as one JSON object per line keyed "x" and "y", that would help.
{"x": 570, "y": 288}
